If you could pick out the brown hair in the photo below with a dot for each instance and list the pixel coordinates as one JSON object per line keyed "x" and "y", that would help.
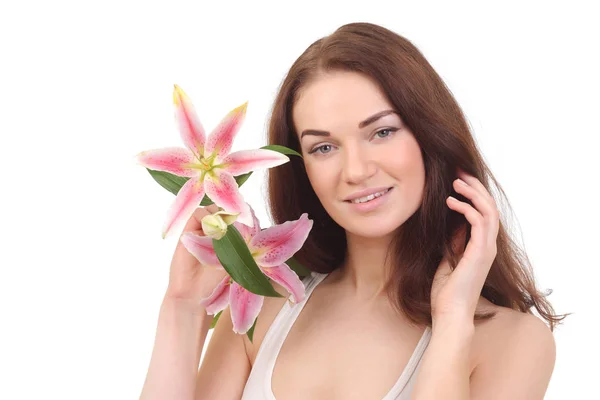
{"x": 428, "y": 108}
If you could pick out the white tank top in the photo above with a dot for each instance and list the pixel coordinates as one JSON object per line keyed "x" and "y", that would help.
{"x": 258, "y": 386}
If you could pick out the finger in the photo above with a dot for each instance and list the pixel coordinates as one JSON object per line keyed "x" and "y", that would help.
{"x": 212, "y": 208}
{"x": 485, "y": 204}
{"x": 476, "y": 248}
{"x": 482, "y": 243}
{"x": 475, "y": 183}
{"x": 489, "y": 208}
{"x": 194, "y": 223}
{"x": 471, "y": 214}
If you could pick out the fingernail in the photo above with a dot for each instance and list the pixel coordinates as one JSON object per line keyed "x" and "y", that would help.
{"x": 461, "y": 182}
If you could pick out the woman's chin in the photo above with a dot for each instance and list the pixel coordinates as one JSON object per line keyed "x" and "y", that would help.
{"x": 375, "y": 225}
{"x": 372, "y": 230}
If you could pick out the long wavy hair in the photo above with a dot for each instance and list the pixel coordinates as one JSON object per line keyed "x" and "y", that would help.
{"x": 428, "y": 108}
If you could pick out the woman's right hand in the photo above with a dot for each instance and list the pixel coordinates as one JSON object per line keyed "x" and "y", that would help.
{"x": 190, "y": 281}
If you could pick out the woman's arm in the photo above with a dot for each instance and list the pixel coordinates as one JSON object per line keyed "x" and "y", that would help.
{"x": 445, "y": 369}
{"x": 178, "y": 345}
{"x": 521, "y": 358}
{"x": 518, "y": 366}
{"x": 455, "y": 293}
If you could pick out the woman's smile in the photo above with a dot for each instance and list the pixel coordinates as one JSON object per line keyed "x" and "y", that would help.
{"x": 371, "y": 202}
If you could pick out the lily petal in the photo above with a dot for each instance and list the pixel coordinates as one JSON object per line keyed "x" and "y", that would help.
{"x": 187, "y": 200}
{"x": 245, "y": 307}
{"x": 191, "y": 130}
{"x": 287, "y": 278}
{"x": 175, "y": 160}
{"x": 246, "y": 231}
{"x": 219, "y": 298}
{"x": 220, "y": 140}
{"x": 275, "y": 245}
{"x": 223, "y": 190}
{"x": 244, "y": 161}
{"x": 202, "y": 248}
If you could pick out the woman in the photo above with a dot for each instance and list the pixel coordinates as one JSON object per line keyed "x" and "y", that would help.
{"x": 417, "y": 290}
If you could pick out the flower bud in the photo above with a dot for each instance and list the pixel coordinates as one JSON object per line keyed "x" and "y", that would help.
{"x": 215, "y": 225}
{"x": 228, "y": 217}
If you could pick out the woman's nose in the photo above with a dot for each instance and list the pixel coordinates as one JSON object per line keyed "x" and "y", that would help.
{"x": 358, "y": 165}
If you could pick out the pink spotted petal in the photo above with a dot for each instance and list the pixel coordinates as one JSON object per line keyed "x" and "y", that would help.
{"x": 220, "y": 140}
{"x": 218, "y": 299}
{"x": 287, "y": 278}
{"x": 191, "y": 130}
{"x": 175, "y": 160}
{"x": 246, "y": 231}
{"x": 223, "y": 190}
{"x": 201, "y": 247}
{"x": 245, "y": 307}
{"x": 187, "y": 200}
{"x": 275, "y": 245}
{"x": 245, "y": 161}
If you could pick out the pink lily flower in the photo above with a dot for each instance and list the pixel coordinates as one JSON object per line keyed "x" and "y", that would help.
{"x": 270, "y": 249}
{"x": 207, "y": 162}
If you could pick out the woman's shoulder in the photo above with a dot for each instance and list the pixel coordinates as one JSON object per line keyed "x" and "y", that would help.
{"x": 510, "y": 334}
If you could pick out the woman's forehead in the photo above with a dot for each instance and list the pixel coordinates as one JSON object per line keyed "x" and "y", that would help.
{"x": 337, "y": 99}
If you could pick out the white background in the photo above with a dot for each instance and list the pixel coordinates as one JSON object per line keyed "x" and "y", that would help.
{"x": 84, "y": 86}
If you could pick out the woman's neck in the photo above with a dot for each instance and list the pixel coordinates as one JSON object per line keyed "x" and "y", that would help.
{"x": 365, "y": 271}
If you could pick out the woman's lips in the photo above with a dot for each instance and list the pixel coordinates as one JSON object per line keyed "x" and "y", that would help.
{"x": 371, "y": 204}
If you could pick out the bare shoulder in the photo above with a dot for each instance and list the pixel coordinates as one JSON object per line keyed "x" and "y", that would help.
{"x": 270, "y": 309}
{"x": 509, "y": 328}
{"x": 514, "y": 355}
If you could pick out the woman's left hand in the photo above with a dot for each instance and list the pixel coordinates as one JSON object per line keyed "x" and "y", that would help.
{"x": 455, "y": 294}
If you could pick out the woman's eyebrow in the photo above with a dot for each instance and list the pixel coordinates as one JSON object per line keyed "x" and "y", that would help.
{"x": 362, "y": 124}
{"x": 375, "y": 117}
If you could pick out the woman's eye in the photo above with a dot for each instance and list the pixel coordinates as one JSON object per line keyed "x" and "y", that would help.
{"x": 326, "y": 147}
{"x": 384, "y": 131}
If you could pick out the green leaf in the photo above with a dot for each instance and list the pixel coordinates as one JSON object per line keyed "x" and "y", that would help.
{"x": 169, "y": 181}
{"x": 206, "y": 201}
{"x": 282, "y": 150}
{"x": 241, "y": 179}
{"x": 298, "y": 268}
{"x": 173, "y": 183}
{"x": 215, "y": 319}
{"x": 235, "y": 257}
{"x": 250, "y": 332}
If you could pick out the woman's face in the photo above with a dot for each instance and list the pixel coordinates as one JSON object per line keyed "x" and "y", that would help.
{"x": 348, "y": 149}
